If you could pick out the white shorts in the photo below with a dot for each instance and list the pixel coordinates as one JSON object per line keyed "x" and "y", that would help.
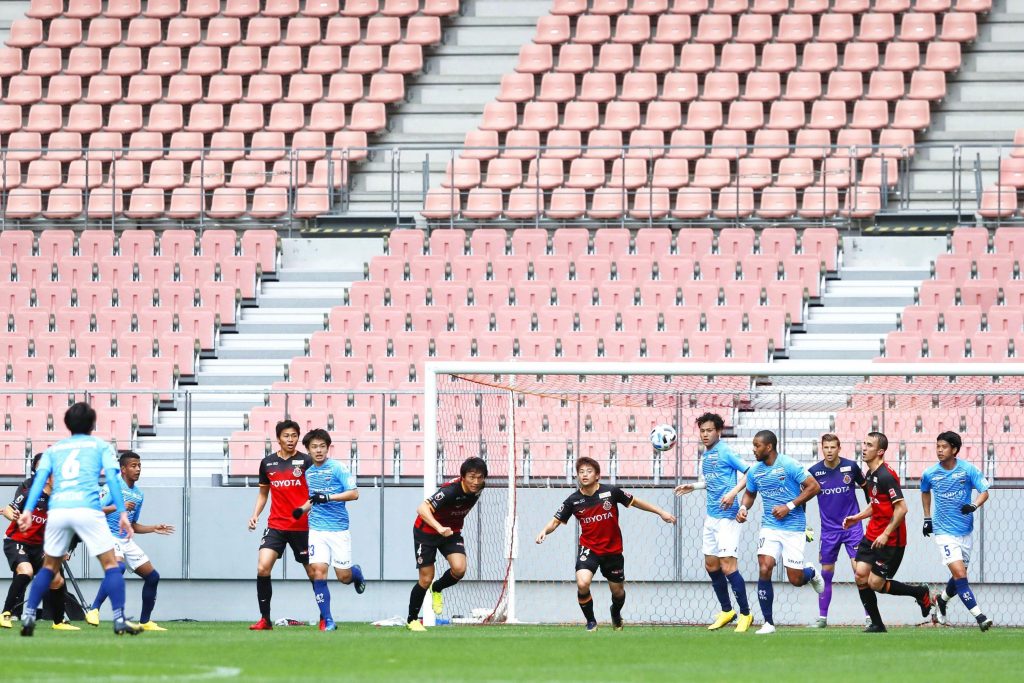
{"x": 789, "y": 545}
{"x": 330, "y": 547}
{"x": 954, "y": 548}
{"x": 128, "y": 550}
{"x": 721, "y": 537}
{"x": 90, "y": 525}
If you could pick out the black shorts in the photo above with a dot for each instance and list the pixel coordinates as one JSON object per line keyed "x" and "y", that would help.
{"x": 613, "y": 567}
{"x": 18, "y": 552}
{"x": 426, "y": 546}
{"x": 885, "y": 562}
{"x": 277, "y": 540}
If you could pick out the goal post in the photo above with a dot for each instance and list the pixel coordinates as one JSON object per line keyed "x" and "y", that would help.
{"x": 530, "y": 420}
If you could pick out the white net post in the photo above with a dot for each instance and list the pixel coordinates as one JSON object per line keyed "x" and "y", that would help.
{"x": 429, "y": 452}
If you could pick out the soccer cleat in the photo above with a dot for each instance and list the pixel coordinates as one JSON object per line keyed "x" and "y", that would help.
{"x": 939, "y": 613}
{"x": 151, "y": 626}
{"x": 591, "y": 626}
{"x": 28, "y": 626}
{"x": 263, "y": 624}
{"x": 5, "y": 620}
{"x": 925, "y": 603}
{"x": 816, "y": 582}
{"x": 357, "y": 579}
{"x": 984, "y": 623}
{"x": 92, "y": 617}
{"x": 722, "y": 619}
{"x": 820, "y": 622}
{"x": 323, "y": 624}
{"x": 416, "y": 625}
{"x": 743, "y": 622}
{"x": 65, "y": 626}
{"x": 126, "y": 627}
{"x": 867, "y": 620}
{"x": 329, "y": 625}
{"x": 616, "y": 618}
{"x": 436, "y": 601}
{"x": 766, "y": 629}
{"x": 875, "y": 628}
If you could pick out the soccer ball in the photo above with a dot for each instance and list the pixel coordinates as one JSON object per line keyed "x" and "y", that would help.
{"x": 663, "y": 437}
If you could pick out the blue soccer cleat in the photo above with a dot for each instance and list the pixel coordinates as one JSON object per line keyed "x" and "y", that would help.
{"x": 329, "y": 625}
{"x": 357, "y": 579}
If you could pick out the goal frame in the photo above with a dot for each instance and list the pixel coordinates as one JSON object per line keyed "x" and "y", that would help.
{"x": 809, "y": 368}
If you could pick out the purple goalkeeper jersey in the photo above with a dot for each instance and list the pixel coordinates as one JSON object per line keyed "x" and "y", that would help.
{"x": 838, "y": 497}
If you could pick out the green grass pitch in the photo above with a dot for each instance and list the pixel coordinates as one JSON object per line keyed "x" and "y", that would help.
{"x": 219, "y": 651}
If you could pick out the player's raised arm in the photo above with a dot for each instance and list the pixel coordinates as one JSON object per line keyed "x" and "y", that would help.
{"x": 809, "y": 489}
{"x": 549, "y": 529}
{"x": 426, "y": 512}
{"x": 651, "y": 507}
{"x": 684, "y": 489}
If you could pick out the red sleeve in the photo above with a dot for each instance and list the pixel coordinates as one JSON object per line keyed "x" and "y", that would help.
{"x": 443, "y": 495}
{"x": 890, "y": 484}
{"x": 622, "y": 497}
{"x": 564, "y": 512}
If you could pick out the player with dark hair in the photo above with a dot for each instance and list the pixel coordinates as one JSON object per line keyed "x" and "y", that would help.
{"x": 880, "y": 552}
{"x": 331, "y": 485}
{"x": 839, "y": 480}
{"x": 953, "y": 480}
{"x": 127, "y": 551}
{"x": 785, "y": 487}
{"x": 438, "y": 527}
{"x": 24, "y": 551}
{"x": 596, "y": 507}
{"x": 282, "y": 474}
{"x": 724, "y": 476}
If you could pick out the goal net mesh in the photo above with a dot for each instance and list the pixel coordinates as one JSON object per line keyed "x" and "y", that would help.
{"x": 532, "y": 428}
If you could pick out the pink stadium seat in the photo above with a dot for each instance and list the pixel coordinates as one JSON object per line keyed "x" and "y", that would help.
{"x": 998, "y": 202}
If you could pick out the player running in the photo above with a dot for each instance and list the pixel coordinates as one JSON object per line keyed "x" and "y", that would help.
{"x": 24, "y": 551}
{"x": 438, "y": 526}
{"x": 724, "y": 476}
{"x": 596, "y": 507}
{"x": 952, "y": 481}
{"x": 880, "y": 552}
{"x": 839, "y": 480}
{"x": 785, "y": 487}
{"x": 283, "y": 480}
{"x": 331, "y": 485}
{"x": 126, "y": 550}
{"x": 76, "y": 464}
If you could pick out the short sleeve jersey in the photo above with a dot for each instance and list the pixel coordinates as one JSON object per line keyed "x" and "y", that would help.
{"x": 779, "y": 484}
{"x": 133, "y": 495}
{"x": 884, "y": 489}
{"x": 838, "y": 497}
{"x": 76, "y": 463}
{"x": 450, "y": 506}
{"x": 950, "y": 490}
{"x": 286, "y": 478}
{"x": 598, "y": 515}
{"x": 34, "y": 535}
{"x": 330, "y": 478}
{"x": 721, "y": 468}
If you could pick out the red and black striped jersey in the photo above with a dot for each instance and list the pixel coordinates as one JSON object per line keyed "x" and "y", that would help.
{"x": 450, "y": 504}
{"x": 35, "y": 533}
{"x": 598, "y": 515}
{"x": 884, "y": 489}
{"x": 286, "y": 478}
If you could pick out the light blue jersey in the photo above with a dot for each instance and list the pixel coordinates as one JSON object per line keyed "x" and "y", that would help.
{"x": 721, "y": 469}
{"x": 950, "y": 490}
{"x": 330, "y": 478}
{"x": 779, "y": 484}
{"x": 76, "y": 464}
{"x": 133, "y": 494}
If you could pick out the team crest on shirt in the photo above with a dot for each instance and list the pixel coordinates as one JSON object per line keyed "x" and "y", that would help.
{"x": 847, "y": 479}
{"x": 438, "y": 496}
{"x": 892, "y": 493}
{"x": 607, "y": 505}
{"x": 297, "y": 472}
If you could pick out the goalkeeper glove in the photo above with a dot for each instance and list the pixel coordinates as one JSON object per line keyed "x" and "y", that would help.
{"x": 319, "y": 498}
{"x": 809, "y": 535}
{"x": 927, "y": 530}
{"x": 967, "y": 508}
{"x": 297, "y": 512}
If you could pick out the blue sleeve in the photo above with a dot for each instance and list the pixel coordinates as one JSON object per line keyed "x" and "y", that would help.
{"x": 797, "y": 471}
{"x": 926, "y": 481}
{"x": 105, "y": 497}
{"x": 39, "y": 483}
{"x": 348, "y": 482}
{"x": 737, "y": 463}
{"x": 978, "y": 480}
{"x": 138, "y": 509}
{"x": 114, "y": 487}
{"x": 751, "y": 484}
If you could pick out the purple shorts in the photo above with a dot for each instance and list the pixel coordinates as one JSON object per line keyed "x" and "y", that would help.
{"x": 832, "y": 540}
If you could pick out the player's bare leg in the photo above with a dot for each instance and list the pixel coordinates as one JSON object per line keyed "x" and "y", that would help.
{"x": 586, "y": 600}
{"x": 618, "y": 591}
{"x": 419, "y": 591}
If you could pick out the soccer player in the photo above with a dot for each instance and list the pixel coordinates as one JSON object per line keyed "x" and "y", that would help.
{"x": 952, "y": 480}
{"x": 331, "y": 485}
{"x": 839, "y": 480}
{"x": 76, "y": 464}
{"x": 880, "y": 552}
{"x": 785, "y": 487}
{"x": 724, "y": 476}
{"x": 24, "y": 551}
{"x": 438, "y": 526}
{"x": 596, "y": 507}
{"x": 283, "y": 480}
{"x": 126, "y": 550}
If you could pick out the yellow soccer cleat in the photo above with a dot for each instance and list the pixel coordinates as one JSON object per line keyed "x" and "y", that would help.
{"x": 722, "y": 619}
{"x": 436, "y": 601}
{"x": 151, "y": 626}
{"x": 65, "y": 627}
{"x": 415, "y": 625}
{"x": 744, "y": 622}
{"x": 5, "y": 620}
{"x": 92, "y": 617}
